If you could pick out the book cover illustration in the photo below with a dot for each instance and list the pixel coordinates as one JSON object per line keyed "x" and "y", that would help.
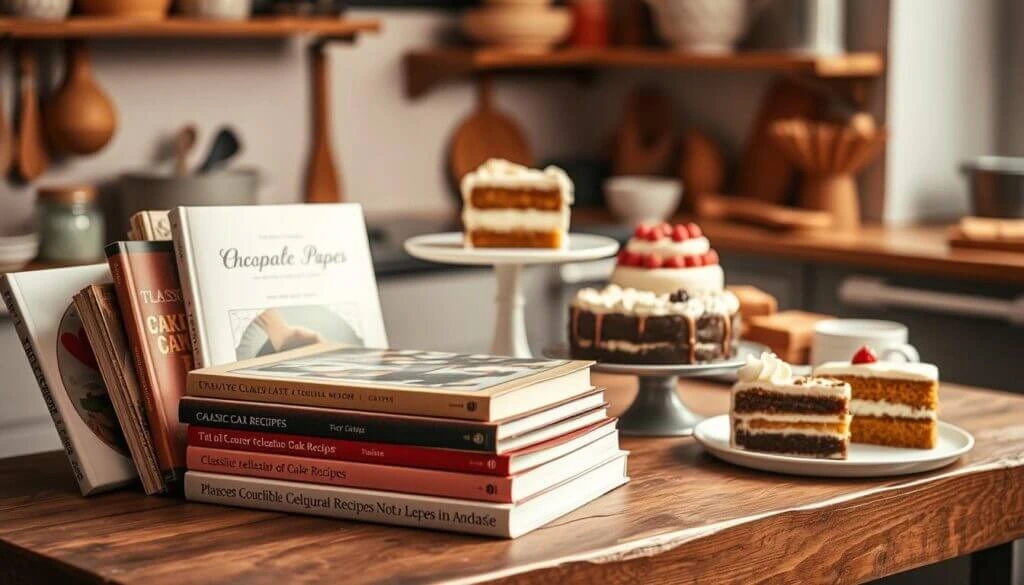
{"x": 415, "y": 369}
{"x": 81, "y": 380}
{"x": 53, "y": 337}
{"x": 259, "y": 332}
{"x": 283, "y": 277}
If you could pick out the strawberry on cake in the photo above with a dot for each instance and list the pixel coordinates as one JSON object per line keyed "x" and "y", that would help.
{"x": 665, "y": 258}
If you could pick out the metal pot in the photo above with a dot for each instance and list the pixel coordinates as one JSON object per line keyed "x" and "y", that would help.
{"x": 997, "y": 186}
{"x": 142, "y": 191}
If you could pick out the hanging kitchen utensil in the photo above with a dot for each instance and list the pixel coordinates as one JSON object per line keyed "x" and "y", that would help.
{"x": 487, "y": 133}
{"x": 322, "y": 181}
{"x": 765, "y": 173}
{"x": 184, "y": 140}
{"x": 6, "y": 140}
{"x": 80, "y": 118}
{"x": 31, "y": 150}
{"x": 646, "y": 136}
{"x": 224, "y": 146}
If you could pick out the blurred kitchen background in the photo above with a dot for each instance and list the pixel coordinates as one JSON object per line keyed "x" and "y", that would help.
{"x": 936, "y": 80}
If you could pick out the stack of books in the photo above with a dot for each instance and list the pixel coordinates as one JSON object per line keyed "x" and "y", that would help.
{"x": 467, "y": 443}
{"x": 292, "y": 411}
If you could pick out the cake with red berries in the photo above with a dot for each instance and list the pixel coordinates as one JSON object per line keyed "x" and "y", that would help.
{"x": 664, "y": 258}
{"x": 506, "y": 205}
{"x": 894, "y": 403}
{"x": 625, "y": 325}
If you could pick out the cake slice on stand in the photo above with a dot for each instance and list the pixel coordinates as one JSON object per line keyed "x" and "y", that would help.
{"x": 506, "y": 205}
{"x": 774, "y": 412}
{"x": 894, "y": 403}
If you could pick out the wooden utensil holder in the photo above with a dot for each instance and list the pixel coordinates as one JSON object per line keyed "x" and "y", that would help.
{"x": 835, "y": 193}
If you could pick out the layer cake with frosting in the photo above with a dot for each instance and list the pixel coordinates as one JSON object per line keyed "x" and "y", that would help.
{"x": 894, "y": 403}
{"x": 664, "y": 258}
{"x": 506, "y": 205}
{"x": 640, "y": 327}
{"x": 774, "y": 412}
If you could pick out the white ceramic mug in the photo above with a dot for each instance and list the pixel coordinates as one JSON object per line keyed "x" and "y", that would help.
{"x": 836, "y": 340}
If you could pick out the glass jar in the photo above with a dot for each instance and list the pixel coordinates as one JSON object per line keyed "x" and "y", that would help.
{"x": 71, "y": 227}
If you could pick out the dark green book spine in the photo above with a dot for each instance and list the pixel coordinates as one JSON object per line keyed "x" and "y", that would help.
{"x": 339, "y": 424}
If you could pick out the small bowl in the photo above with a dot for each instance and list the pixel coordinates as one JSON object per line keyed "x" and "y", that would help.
{"x": 638, "y": 199}
{"x": 18, "y": 250}
{"x": 523, "y": 29}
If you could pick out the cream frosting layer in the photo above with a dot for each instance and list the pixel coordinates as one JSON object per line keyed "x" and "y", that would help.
{"x": 895, "y": 370}
{"x": 885, "y": 408}
{"x": 742, "y": 424}
{"x": 793, "y": 417}
{"x": 498, "y": 172}
{"x": 510, "y": 220}
{"x": 768, "y": 372}
{"x": 667, "y": 247}
{"x": 641, "y": 303}
{"x": 695, "y": 280}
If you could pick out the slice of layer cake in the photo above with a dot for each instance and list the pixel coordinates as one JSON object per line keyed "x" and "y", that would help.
{"x": 894, "y": 403}
{"x": 506, "y": 205}
{"x": 664, "y": 258}
{"x": 774, "y": 412}
{"x": 639, "y": 327}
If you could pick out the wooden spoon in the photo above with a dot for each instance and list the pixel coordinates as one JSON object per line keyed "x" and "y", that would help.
{"x": 486, "y": 133}
{"x": 31, "y": 151}
{"x": 6, "y": 140}
{"x": 184, "y": 140}
{"x": 80, "y": 118}
{"x": 322, "y": 185}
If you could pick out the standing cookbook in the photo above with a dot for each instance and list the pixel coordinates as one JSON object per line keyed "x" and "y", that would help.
{"x": 52, "y": 334}
{"x": 262, "y": 279}
{"x": 146, "y": 282}
{"x": 428, "y": 383}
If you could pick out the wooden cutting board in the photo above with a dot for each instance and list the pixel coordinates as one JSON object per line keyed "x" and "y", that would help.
{"x": 750, "y": 211}
{"x": 957, "y": 239}
{"x": 646, "y": 137}
{"x": 764, "y": 172}
{"x": 486, "y": 133}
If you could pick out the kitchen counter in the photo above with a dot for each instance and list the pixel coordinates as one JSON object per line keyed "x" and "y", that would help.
{"x": 684, "y": 517}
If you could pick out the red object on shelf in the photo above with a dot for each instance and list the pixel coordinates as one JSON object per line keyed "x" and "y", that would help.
{"x": 589, "y": 23}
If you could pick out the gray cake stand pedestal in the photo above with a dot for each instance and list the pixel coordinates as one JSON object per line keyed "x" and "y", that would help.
{"x": 657, "y": 410}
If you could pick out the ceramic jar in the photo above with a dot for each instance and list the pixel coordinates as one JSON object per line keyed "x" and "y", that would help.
{"x": 703, "y": 26}
{"x": 71, "y": 226}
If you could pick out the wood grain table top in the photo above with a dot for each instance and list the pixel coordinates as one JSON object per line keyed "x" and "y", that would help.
{"x": 684, "y": 518}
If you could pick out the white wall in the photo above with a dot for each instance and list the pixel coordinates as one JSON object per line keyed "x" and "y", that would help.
{"x": 943, "y": 86}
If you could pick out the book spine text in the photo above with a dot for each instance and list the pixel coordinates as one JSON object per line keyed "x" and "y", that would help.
{"x": 428, "y": 482}
{"x": 339, "y": 424}
{"x": 182, "y": 255}
{"x": 339, "y": 450}
{"x": 7, "y": 290}
{"x": 349, "y": 504}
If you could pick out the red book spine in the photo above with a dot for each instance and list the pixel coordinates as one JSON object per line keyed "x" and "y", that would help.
{"x": 387, "y": 478}
{"x": 340, "y": 450}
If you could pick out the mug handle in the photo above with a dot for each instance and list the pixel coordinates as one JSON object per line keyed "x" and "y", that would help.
{"x": 906, "y": 351}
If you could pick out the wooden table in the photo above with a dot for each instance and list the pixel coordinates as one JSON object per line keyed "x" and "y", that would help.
{"x": 684, "y": 518}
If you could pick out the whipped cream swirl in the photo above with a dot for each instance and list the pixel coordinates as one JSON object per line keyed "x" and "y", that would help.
{"x": 767, "y": 368}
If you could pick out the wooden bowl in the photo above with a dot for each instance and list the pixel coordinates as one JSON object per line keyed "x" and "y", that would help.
{"x": 523, "y": 29}
{"x": 138, "y": 9}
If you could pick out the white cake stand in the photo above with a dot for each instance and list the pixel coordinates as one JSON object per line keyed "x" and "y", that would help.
{"x": 657, "y": 410}
{"x": 510, "y": 324}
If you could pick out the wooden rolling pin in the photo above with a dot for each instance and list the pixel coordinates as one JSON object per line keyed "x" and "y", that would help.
{"x": 746, "y": 210}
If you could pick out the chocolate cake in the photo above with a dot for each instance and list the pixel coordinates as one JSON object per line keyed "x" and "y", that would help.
{"x": 638, "y": 327}
{"x": 774, "y": 412}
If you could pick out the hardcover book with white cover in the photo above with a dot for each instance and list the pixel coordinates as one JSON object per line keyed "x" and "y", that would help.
{"x": 53, "y": 337}
{"x": 262, "y": 279}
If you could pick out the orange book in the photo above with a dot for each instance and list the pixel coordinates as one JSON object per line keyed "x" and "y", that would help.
{"x": 146, "y": 280}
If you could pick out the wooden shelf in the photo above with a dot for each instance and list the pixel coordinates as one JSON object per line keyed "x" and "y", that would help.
{"x": 426, "y": 68}
{"x": 181, "y": 27}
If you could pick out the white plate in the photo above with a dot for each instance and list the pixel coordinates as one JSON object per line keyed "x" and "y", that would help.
{"x": 448, "y": 248}
{"x": 862, "y": 460}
